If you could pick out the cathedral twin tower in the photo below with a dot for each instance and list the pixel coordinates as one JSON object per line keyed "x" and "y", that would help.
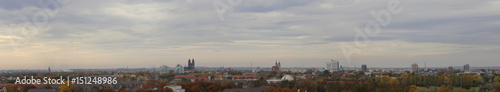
{"x": 190, "y": 65}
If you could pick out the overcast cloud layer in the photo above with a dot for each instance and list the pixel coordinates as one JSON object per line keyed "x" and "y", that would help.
{"x": 148, "y": 33}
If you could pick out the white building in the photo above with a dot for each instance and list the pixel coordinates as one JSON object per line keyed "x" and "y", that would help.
{"x": 175, "y": 88}
{"x": 297, "y": 70}
{"x": 414, "y": 68}
{"x": 179, "y": 69}
{"x": 333, "y": 65}
{"x": 164, "y": 69}
{"x": 328, "y": 65}
{"x": 285, "y": 77}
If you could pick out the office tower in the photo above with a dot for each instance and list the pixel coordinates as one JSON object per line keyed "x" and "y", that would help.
{"x": 414, "y": 67}
{"x": 364, "y": 68}
{"x": 466, "y": 67}
{"x": 164, "y": 69}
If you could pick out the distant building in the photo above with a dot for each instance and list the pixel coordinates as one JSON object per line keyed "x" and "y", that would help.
{"x": 276, "y": 66}
{"x": 414, "y": 67}
{"x": 175, "y": 88}
{"x": 244, "y": 77}
{"x": 297, "y": 70}
{"x": 364, "y": 68}
{"x": 287, "y": 77}
{"x": 333, "y": 65}
{"x": 49, "y": 70}
{"x": 450, "y": 67}
{"x": 259, "y": 89}
{"x": 343, "y": 69}
{"x": 328, "y": 65}
{"x": 191, "y": 77}
{"x": 41, "y": 90}
{"x": 466, "y": 67}
{"x": 190, "y": 65}
{"x": 164, "y": 69}
{"x": 179, "y": 69}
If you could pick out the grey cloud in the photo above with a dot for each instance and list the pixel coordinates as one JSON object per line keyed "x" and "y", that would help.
{"x": 296, "y": 26}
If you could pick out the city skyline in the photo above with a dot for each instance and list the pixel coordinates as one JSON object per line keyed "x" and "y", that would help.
{"x": 115, "y": 34}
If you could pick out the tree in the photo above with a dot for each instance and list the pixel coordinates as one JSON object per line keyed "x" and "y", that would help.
{"x": 497, "y": 79}
{"x": 413, "y": 88}
{"x": 361, "y": 73}
{"x": 294, "y": 89}
{"x": 394, "y": 82}
{"x": 478, "y": 80}
{"x": 167, "y": 89}
{"x": 496, "y": 87}
{"x": 250, "y": 85}
{"x": 447, "y": 80}
{"x": 444, "y": 89}
{"x": 326, "y": 73}
{"x": 461, "y": 90}
{"x": 195, "y": 89}
{"x": 64, "y": 87}
{"x": 286, "y": 89}
{"x": 108, "y": 90}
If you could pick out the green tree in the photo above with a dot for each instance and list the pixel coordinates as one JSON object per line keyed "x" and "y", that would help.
{"x": 496, "y": 79}
{"x": 326, "y": 72}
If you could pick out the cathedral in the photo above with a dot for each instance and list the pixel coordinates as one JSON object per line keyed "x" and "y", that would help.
{"x": 190, "y": 65}
{"x": 276, "y": 66}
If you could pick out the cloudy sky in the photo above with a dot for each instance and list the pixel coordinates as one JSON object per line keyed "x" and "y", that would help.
{"x": 149, "y": 33}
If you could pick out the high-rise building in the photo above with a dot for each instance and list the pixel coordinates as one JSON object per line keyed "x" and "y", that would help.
{"x": 364, "y": 68}
{"x": 466, "y": 67}
{"x": 328, "y": 66}
{"x": 414, "y": 67}
{"x": 164, "y": 69}
{"x": 179, "y": 69}
{"x": 333, "y": 65}
{"x": 425, "y": 67}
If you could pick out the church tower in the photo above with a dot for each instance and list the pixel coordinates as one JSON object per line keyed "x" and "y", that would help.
{"x": 192, "y": 64}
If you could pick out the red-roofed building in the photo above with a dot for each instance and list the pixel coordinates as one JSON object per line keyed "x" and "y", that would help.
{"x": 221, "y": 77}
{"x": 497, "y": 71}
{"x": 244, "y": 77}
{"x": 185, "y": 76}
{"x": 205, "y": 78}
{"x": 276, "y": 66}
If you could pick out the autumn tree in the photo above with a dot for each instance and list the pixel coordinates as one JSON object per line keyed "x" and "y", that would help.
{"x": 66, "y": 87}
{"x": 444, "y": 89}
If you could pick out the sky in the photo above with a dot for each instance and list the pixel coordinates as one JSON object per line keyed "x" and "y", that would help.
{"x": 85, "y": 34}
